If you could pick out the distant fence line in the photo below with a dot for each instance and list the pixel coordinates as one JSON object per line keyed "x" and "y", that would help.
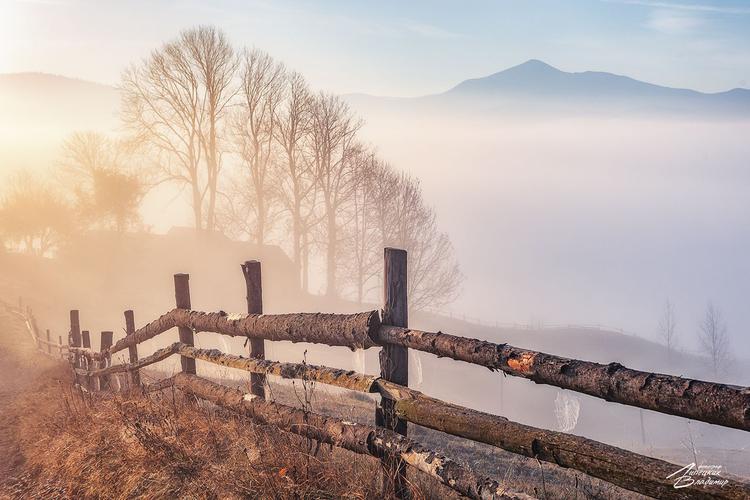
{"x": 711, "y": 402}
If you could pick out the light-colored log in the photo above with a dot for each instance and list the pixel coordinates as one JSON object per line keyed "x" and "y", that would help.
{"x": 349, "y": 330}
{"x": 358, "y": 438}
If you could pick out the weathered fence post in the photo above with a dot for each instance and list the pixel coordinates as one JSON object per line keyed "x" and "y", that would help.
{"x": 86, "y": 362}
{"x": 182, "y": 300}
{"x": 135, "y": 376}
{"x": 394, "y": 360}
{"x": 49, "y": 342}
{"x": 251, "y": 271}
{"x": 59, "y": 341}
{"x": 86, "y": 339}
{"x": 74, "y": 339}
{"x": 106, "y": 343}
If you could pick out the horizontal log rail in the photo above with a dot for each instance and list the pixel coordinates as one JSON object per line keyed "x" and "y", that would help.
{"x": 715, "y": 403}
{"x": 632, "y": 471}
{"x": 349, "y": 330}
{"x": 361, "y": 439}
{"x": 331, "y": 376}
{"x": 711, "y": 402}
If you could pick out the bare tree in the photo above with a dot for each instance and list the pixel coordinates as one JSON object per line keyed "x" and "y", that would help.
{"x": 714, "y": 339}
{"x": 96, "y": 171}
{"x": 362, "y": 258}
{"x": 333, "y": 134}
{"x": 176, "y": 100}
{"x": 434, "y": 278}
{"x": 296, "y": 172}
{"x": 261, "y": 92}
{"x": 386, "y": 208}
{"x": 33, "y": 215}
{"x": 667, "y": 328}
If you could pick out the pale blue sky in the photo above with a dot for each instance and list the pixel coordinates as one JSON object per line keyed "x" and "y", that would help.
{"x": 397, "y": 47}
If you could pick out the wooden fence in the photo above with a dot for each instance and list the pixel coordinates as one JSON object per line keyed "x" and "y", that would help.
{"x": 715, "y": 403}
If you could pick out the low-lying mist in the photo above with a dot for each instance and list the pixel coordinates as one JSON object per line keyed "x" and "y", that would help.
{"x": 586, "y": 220}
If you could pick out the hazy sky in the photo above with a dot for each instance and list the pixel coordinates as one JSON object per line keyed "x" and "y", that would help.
{"x": 396, "y": 47}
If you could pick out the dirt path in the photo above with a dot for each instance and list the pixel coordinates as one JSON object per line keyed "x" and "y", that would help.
{"x": 20, "y": 367}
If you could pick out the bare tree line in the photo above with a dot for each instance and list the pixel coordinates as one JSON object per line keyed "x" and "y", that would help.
{"x": 712, "y": 334}
{"x": 263, "y": 157}
{"x": 301, "y": 176}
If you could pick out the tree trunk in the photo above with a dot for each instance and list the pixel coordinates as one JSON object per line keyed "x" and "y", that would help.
{"x": 331, "y": 231}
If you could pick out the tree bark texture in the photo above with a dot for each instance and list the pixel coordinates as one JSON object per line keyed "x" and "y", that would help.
{"x": 349, "y": 330}
{"x": 358, "y": 438}
{"x": 711, "y": 402}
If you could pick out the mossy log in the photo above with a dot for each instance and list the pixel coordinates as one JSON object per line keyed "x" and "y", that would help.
{"x": 331, "y": 376}
{"x": 623, "y": 468}
{"x": 715, "y": 403}
{"x": 358, "y": 438}
{"x": 349, "y": 330}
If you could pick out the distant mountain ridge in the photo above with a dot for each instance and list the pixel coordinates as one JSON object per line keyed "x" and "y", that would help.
{"x": 537, "y": 86}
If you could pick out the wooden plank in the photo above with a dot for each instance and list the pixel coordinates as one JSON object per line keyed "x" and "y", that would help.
{"x": 182, "y": 301}
{"x": 251, "y": 270}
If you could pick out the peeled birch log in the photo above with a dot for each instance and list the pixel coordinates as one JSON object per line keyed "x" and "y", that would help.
{"x": 711, "y": 402}
{"x": 358, "y": 438}
{"x": 634, "y": 472}
{"x": 349, "y": 330}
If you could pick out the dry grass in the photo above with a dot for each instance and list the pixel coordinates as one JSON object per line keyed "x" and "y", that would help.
{"x": 75, "y": 445}
{"x": 59, "y": 442}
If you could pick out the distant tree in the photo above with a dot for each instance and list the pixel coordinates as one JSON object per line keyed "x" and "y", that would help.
{"x": 434, "y": 278}
{"x": 714, "y": 339}
{"x": 96, "y": 170}
{"x": 176, "y": 100}
{"x": 386, "y": 209}
{"x": 261, "y": 92}
{"x": 296, "y": 175}
{"x": 333, "y": 134}
{"x": 33, "y": 216}
{"x": 362, "y": 254}
{"x": 667, "y": 324}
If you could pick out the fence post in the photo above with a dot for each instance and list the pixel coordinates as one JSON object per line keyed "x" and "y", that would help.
{"x": 135, "y": 376}
{"x": 49, "y": 343}
{"x": 74, "y": 339}
{"x": 182, "y": 300}
{"x": 59, "y": 341}
{"x": 106, "y": 343}
{"x": 253, "y": 284}
{"x": 84, "y": 361}
{"x": 394, "y": 360}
